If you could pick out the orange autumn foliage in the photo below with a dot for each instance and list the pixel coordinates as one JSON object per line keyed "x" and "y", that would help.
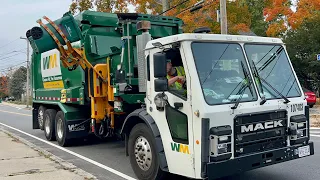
{"x": 306, "y": 9}
{"x": 238, "y": 15}
{"x": 276, "y": 14}
{"x": 281, "y": 17}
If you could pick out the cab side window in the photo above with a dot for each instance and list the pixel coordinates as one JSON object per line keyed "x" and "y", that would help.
{"x": 176, "y": 74}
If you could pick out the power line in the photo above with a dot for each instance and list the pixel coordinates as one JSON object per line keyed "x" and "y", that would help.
{"x": 8, "y": 57}
{"x": 12, "y": 66}
{"x": 13, "y": 61}
{"x": 9, "y": 43}
{"x": 6, "y": 53}
{"x": 174, "y": 7}
{"x": 188, "y": 8}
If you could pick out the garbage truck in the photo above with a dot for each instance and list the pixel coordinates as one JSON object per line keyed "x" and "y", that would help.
{"x": 199, "y": 105}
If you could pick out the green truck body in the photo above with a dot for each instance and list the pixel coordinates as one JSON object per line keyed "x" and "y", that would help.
{"x": 101, "y": 37}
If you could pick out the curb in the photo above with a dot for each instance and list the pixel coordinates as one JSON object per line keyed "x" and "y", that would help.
{"x": 66, "y": 165}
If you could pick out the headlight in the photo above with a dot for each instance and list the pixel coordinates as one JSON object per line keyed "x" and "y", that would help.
{"x": 223, "y": 148}
{"x": 299, "y": 133}
{"x": 220, "y": 143}
{"x": 160, "y": 100}
{"x": 298, "y": 129}
{"x": 301, "y": 125}
{"x": 223, "y": 138}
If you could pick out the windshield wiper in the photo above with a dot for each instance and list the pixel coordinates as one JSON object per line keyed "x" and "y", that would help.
{"x": 256, "y": 75}
{"x": 260, "y": 78}
{"x": 243, "y": 87}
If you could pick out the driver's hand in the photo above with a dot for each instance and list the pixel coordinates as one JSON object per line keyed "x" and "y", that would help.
{"x": 182, "y": 78}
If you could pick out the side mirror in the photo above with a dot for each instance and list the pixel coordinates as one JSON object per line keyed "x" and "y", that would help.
{"x": 161, "y": 85}
{"x": 160, "y": 65}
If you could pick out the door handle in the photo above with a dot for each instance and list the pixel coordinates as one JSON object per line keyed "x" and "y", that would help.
{"x": 178, "y": 105}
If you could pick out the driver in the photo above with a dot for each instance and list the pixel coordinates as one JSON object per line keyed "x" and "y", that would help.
{"x": 176, "y": 76}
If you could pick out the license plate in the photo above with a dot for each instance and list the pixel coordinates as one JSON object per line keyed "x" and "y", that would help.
{"x": 304, "y": 151}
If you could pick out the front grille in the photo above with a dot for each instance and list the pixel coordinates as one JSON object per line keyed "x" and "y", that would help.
{"x": 259, "y": 132}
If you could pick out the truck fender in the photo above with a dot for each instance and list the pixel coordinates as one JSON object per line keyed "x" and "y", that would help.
{"x": 142, "y": 116}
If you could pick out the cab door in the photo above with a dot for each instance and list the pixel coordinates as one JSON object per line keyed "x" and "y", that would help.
{"x": 172, "y": 113}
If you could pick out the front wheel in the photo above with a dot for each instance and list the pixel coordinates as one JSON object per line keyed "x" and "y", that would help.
{"x": 143, "y": 155}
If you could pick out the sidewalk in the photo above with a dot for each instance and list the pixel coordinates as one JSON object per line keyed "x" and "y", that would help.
{"x": 19, "y": 159}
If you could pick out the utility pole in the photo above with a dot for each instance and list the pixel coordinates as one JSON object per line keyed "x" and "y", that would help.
{"x": 165, "y": 6}
{"x": 223, "y": 16}
{"x": 28, "y": 73}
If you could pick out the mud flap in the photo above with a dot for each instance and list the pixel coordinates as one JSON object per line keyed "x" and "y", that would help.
{"x": 74, "y": 130}
{"x": 35, "y": 124}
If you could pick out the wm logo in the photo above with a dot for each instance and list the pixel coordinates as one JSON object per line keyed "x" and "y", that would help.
{"x": 180, "y": 148}
{"x": 50, "y": 62}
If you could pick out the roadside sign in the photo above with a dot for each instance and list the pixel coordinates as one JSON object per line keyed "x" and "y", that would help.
{"x": 318, "y": 57}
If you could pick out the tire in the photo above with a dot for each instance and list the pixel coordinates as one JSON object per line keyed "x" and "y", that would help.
{"x": 311, "y": 106}
{"x": 143, "y": 134}
{"x": 41, "y": 111}
{"x": 49, "y": 124}
{"x": 61, "y": 130}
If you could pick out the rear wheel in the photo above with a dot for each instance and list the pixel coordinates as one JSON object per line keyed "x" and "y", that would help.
{"x": 143, "y": 156}
{"x": 41, "y": 111}
{"x": 311, "y": 106}
{"x": 61, "y": 130}
{"x": 49, "y": 124}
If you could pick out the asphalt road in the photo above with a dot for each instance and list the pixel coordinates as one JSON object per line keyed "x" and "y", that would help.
{"x": 111, "y": 154}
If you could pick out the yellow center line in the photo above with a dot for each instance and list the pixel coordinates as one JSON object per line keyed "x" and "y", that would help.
{"x": 16, "y": 113}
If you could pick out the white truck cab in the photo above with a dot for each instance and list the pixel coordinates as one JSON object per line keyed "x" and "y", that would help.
{"x": 240, "y": 106}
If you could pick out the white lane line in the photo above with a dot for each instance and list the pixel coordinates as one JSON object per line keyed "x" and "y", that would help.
{"x": 15, "y": 113}
{"x": 313, "y": 135}
{"x": 75, "y": 154}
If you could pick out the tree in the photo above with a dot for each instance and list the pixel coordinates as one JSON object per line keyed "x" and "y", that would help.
{"x": 101, "y": 5}
{"x": 305, "y": 9}
{"x": 303, "y": 44}
{"x": 3, "y": 86}
{"x": 17, "y": 82}
{"x": 149, "y": 6}
{"x": 80, "y": 5}
{"x": 258, "y": 25}
{"x": 277, "y": 13}
{"x": 239, "y": 18}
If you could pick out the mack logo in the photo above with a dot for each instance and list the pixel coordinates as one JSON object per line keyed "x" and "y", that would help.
{"x": 260, "y": 126}
{"x": 50, "y": 62}
{"x": 75, "y": 127}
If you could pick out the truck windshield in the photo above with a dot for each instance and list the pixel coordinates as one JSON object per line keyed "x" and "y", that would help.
{"x": 223, "y": 73}
{"x": 272, "y": 65}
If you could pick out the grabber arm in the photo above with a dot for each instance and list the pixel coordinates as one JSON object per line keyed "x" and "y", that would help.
{"x": 70, "y": 57}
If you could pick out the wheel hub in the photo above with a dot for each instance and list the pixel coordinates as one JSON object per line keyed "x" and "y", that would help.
{"x": 47, "y": 125}
{"x": 40, "y": 117}
{"x": 143, "y": 153}
{"x": 60, "y": 128}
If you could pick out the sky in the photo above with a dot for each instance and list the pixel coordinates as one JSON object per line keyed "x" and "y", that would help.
{"x": 19, "y": 16}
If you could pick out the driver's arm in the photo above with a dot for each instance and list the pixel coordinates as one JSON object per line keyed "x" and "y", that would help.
{"x": 172, "y": 80}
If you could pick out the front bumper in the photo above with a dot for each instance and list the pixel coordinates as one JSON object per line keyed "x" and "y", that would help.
{"x": 257, "y": 160}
